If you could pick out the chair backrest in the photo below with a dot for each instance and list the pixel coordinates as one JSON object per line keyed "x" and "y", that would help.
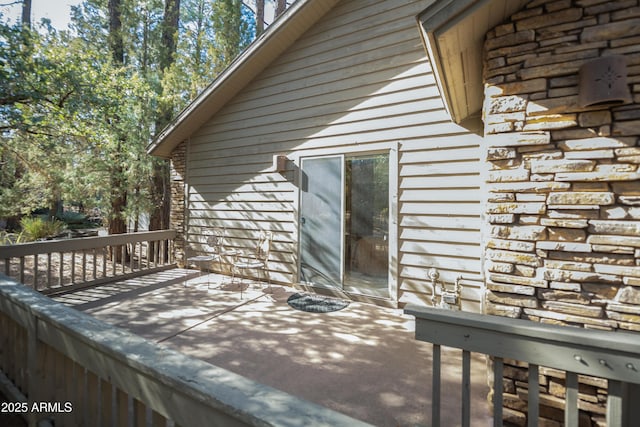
{"x": 215, "y": 239}
{"x": 264, "y": 246}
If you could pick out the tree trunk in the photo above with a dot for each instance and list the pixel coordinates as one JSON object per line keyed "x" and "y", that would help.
{"x": 117, "y": 221}
{"x": 115, "y": 31}
{"x": 26, "y": 13}
{"x": 281, "y": 6}
{"x": 169, "y": 33}
{"x": 161, "y": 197}
{"x": 259, "y": 17}
{"x": 161, "y": 193}
{"x": 56, "y": 209}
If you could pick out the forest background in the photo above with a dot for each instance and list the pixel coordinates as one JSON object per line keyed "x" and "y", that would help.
{"x": 79, "y": 106}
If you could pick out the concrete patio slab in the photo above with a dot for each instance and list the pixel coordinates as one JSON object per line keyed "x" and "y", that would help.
{"x": 362, "y": 361}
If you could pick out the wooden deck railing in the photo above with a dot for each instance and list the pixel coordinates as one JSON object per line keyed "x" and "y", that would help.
{"x": 60, "y": 265}
{"x": 614, "y": 356}
{"x": 66, "y": 366}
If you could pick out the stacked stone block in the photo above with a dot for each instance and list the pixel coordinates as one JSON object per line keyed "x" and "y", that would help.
{"x": 563, "y": 208}
{"x": 177, "y": 218}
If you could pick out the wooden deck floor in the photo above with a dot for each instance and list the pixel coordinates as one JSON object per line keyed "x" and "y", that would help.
{"x": 362, "y": 361}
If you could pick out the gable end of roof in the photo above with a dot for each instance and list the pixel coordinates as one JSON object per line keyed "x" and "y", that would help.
{"x": 265, "y": 49}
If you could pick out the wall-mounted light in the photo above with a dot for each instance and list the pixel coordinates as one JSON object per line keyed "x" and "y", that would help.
{"x": 603, "y": 82}
{"x": 281, "y": 163}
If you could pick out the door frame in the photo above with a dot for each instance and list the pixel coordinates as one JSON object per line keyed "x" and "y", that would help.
{"x": 392, "y": 150}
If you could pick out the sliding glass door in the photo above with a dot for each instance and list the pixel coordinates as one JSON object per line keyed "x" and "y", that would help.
{"x": 344, "y": 223}
{"x": 321, "y": 221}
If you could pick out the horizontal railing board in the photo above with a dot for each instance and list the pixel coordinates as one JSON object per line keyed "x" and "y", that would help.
{"x": 55, "y": 290}
{"x": 52, "y": 265}
{"x": 611, "y": 355}
{"x": 187, "y": 390}
{"x": 68, "y": 245}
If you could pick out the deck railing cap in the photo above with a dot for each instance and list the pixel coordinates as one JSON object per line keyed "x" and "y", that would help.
{"x": 81, "y": 243}
{"x": 208, "y": 385}
{"x": 608, "y": 354}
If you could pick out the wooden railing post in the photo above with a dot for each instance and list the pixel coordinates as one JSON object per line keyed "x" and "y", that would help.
{"x": 632, "y": 398}
{"x": 615, "y": 404}
{"x": 436, "y": 385}
{"x": 622, "y": 404}
{"x": 498, "y": 369}
{"x": 613, "y": 356}
{"x": 34, "y": 372}
{"x": 533, "y": 406}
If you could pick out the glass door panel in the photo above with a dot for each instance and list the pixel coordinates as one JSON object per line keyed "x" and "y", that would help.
{"x": 367, "y": 224}
{"x": 321, "y": 221}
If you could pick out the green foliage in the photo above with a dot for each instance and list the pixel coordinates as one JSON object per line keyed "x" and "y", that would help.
{"x": 73, "y": 218}
{"x": 231, "y": 29}
{"x": 77, "y": 220}
{"x": 34, "y": 228}
{"x": 74, "y": 125}
{"x": 214, "y": 33}
{"x": 65, "y": 138}
{"x": 10, "y": 238}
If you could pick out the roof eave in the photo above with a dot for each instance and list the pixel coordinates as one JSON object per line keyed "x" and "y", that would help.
{"x": 454, "y": 32}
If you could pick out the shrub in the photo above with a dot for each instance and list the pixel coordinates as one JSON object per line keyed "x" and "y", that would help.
{"x": 34, "y": 228}
{"x": 76, "y": 220}
{"x": 73, "y": 218}
{"x": 9, "y": 238}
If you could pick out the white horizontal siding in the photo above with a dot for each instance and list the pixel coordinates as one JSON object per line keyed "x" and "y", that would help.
{"x": 358, "y": 80}
{"x": 440, "y": 206}
{"x": 459, "y": 222}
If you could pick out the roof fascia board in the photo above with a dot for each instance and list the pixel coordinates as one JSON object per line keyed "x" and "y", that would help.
{"x": 439, "y": 21}
{"x": 441, "y": 12}
{"x": 435, "y": 21}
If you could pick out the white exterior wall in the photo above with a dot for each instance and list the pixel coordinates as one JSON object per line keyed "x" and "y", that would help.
{"x": 358, "y": 81}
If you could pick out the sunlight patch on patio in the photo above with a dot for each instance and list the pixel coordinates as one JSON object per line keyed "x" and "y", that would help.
{"x": 362, "y": 361}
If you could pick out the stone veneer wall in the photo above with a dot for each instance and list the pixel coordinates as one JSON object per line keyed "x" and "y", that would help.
{"x": 563, "y": 207}
{"x": 177, "y": 219}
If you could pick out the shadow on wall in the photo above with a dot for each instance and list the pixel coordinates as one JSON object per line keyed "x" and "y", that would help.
{"x": 334, "y": 107}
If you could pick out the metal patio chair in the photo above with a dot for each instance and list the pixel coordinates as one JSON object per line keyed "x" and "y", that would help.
{"x": 214, "y": 242}
{"x": 257, "y": 261}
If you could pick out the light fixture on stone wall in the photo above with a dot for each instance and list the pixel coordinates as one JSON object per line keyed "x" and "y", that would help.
{"x": 603, "y": 82}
